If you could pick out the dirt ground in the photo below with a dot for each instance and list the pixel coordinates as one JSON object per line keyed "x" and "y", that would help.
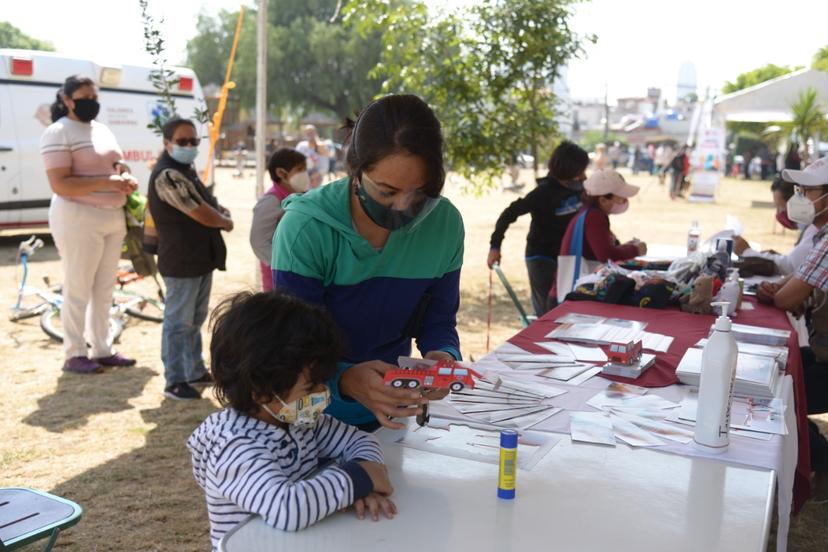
{"x": 115, "y": 445}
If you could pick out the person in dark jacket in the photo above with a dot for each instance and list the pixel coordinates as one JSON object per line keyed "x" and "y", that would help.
{"x": 552, "y": 204}
{"x": 189, "y": 221}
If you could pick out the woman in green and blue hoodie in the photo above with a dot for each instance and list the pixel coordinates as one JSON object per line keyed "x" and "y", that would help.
{"x": 382, "y": 250}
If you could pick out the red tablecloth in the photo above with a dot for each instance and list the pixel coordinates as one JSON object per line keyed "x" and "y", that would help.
{"x": 686, "y": 330}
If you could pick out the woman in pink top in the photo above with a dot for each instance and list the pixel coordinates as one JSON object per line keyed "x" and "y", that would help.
{"x": 289, "y": 172}
{"x": 90, "y": 184}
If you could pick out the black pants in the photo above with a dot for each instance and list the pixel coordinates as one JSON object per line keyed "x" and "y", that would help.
{"x": 541, "y": 277}
{"x": 816, "y": 393}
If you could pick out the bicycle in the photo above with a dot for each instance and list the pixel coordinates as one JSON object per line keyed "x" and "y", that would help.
{"x": 51, "y": 300}
{"x": 134, "y": 303}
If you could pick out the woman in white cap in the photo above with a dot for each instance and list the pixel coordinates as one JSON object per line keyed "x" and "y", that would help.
{"x": 606, "y": 193}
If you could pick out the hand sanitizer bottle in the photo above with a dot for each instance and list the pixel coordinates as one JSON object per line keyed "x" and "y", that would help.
{"x": 693, "y": 238}
{"x": 718, "y": 373}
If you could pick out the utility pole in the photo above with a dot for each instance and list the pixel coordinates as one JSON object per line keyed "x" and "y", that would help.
{"x": 261, "y": 95}
{"x": 606, "y": 113}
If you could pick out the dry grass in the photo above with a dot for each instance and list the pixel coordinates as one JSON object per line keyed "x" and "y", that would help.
{"x": 112, "y": 443}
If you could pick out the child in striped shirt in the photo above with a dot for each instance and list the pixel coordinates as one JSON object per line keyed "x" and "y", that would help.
{"x": 270, "y": 355}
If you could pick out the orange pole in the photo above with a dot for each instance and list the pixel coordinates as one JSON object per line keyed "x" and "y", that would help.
{"x": 215, "y": 128}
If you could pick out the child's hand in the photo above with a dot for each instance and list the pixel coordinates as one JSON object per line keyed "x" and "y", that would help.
{"x": 379, "y": 476}
{"x": 374, "y": 503}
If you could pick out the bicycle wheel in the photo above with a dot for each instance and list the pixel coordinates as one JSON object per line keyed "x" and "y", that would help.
{"x": 51, "y": 325}
{"x": 139, "y": 306}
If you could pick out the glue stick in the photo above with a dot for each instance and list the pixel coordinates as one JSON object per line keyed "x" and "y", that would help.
{"x": 508, "y": 464}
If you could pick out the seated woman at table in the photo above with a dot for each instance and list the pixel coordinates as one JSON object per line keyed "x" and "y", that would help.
{"x": 381, "y": 250}
{"x": 786, "y": 263}
{"x": 606, "y": 193}
{"x": 271, "y": 354}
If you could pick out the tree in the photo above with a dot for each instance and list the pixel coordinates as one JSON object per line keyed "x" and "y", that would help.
{"x": 487, "y": 71}
{"x": 820, "y": 61}
{"x": 756, "y": 76}
{"x": 12, "y": 37}
{"x": 314, "y": 63}
{"x": 808, "y": 117}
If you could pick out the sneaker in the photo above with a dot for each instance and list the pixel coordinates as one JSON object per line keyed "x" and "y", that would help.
{"x": 116, "y": 359}
{"x": 204, "y": 381}
{"x": 182, "y": 392}
{"x": 82, "y": 365}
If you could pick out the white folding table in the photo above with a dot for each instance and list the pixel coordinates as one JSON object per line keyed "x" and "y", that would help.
{"x": 580, "y": 497}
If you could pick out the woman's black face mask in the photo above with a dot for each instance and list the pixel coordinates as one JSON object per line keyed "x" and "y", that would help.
{"x": 383, "y": 215}
{"x": 86, "y": 109}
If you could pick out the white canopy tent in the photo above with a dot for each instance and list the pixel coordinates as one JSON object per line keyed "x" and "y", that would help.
{"x": 771, "y": 101}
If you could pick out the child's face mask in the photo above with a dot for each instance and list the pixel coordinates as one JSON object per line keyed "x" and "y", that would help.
{"x": 304, "y": 411}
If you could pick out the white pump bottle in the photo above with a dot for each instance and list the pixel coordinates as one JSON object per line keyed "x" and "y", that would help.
{"x": 718, "y": 373}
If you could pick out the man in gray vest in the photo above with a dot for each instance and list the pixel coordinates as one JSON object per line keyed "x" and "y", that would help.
{"x": 189, "y": 221}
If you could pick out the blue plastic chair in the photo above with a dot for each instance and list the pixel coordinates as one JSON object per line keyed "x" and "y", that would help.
{"x": 28, "y": 515}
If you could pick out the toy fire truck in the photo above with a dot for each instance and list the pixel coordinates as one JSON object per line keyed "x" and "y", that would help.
{"x": 625, "y": 353}
{"x": 441, "y": 374}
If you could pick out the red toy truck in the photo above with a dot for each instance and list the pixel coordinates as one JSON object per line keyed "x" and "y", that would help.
{"x": 625, "y": 353}
{"x": 443, "y": 374}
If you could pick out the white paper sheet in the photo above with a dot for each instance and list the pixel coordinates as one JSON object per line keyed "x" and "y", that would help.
{"x": 476, "y": 444}
{"x": 587, "y": 354}
{"x": 591, "y": 427}
{"x": 632, "y": 434}
{"x": 661, "y": 429}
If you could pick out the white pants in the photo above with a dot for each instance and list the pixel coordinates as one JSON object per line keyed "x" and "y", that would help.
{"x": 89, "y": 241}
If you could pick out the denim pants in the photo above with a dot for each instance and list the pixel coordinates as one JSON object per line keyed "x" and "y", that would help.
{"x": 185, "y": 311}
{"x": 542, "y": 272}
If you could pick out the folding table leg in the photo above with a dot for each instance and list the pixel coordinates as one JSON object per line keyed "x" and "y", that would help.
{"x": 52, "y": 540}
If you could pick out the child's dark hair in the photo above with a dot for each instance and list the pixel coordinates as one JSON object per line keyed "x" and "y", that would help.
{"x": 399, "y": 123}
{"x": 58, "y": 109}
{"x": 568, "y": 161}
{"x": 286, "y": 159}
{"x": 261, "y": 342}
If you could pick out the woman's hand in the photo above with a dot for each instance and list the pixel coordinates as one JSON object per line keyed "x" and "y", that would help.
{"x": 740, "y": 245}
{"x": 125, "y": 183}
{"x": 374, "y": 503}
{"x": 363, "y": 382}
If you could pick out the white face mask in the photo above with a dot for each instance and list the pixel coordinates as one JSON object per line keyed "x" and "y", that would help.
{"x": 802, "y": 210}
{"x": 300, "y": 182}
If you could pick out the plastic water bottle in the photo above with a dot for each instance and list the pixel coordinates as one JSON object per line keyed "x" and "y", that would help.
{"x": 693, "y": 238}
{"x": 718, "y": 372}
{"x": 731, "y": 291}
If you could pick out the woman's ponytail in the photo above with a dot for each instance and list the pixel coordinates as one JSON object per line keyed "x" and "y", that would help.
{"x": 58, "y": 108}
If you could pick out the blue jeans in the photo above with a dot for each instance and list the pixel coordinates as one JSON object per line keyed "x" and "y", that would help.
{"x": 185, "y": 311}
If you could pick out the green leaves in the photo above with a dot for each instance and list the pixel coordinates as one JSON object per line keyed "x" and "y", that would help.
{"x": 12, "y": 37}
{"x": 487, "y": 72}
{"x": 314, "y": 64}
{"x": 162, "y": 79}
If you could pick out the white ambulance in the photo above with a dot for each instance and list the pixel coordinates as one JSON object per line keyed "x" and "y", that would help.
{"x": 29, "y": 81}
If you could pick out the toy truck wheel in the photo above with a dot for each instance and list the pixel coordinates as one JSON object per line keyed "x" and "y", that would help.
{"x": 456, "y": 386}
{"x": 397, "y": 383}
{"x": 413, "y": 384}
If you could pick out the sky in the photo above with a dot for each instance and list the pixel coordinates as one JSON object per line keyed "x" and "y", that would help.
{"x": 641, "y": 43}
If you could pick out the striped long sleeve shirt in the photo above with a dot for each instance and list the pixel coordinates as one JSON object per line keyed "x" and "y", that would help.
{"x": 247, "y": 466}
